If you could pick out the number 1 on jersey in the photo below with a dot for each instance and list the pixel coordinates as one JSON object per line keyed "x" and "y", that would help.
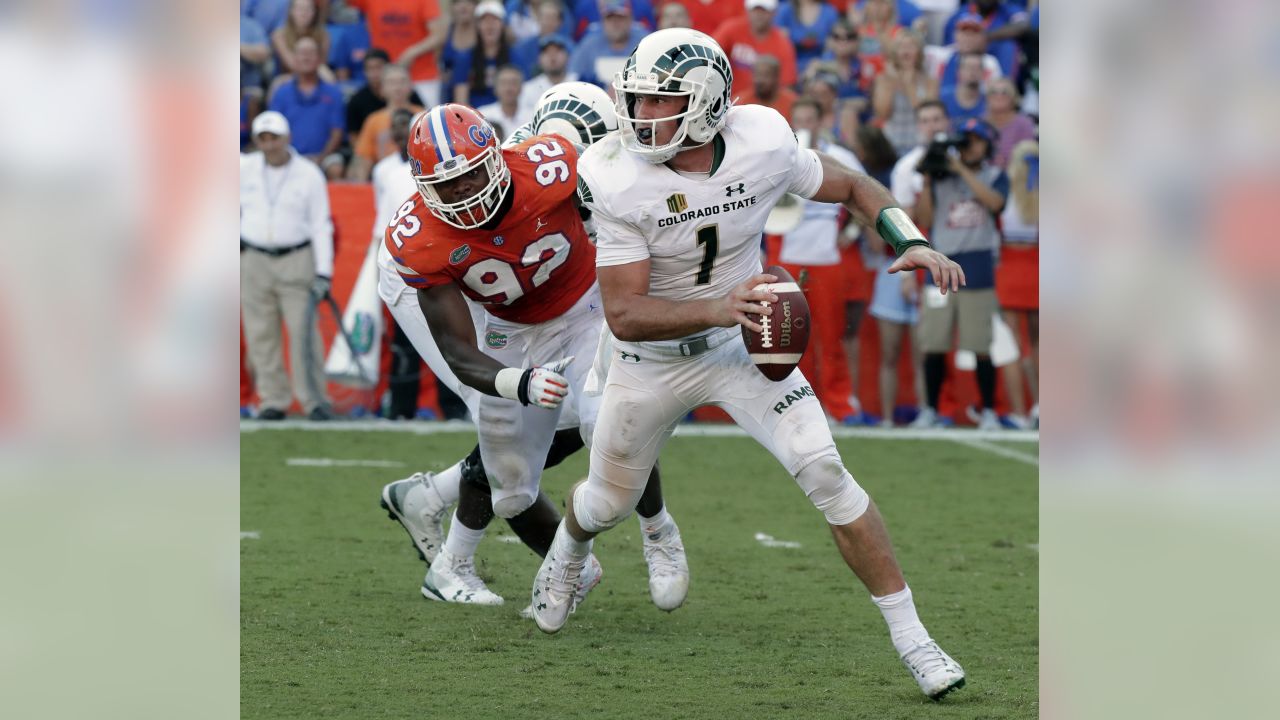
{"x": 709, "y": 238}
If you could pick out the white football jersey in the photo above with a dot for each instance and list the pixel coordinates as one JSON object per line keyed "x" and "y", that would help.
{"x": 700, "y": 233}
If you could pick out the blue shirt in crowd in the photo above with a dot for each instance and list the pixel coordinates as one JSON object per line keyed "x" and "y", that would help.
{"x": 251, "y": 33}
{"x": 348, "y": 45}
{"x": 270, "y": 14}
{"x": 808, "y": 39}
{"x": 1006, "y": 51}
{"x": 959, "y": 114}
{"x": 595, "y": 46}
{"x": 311, "y": 117}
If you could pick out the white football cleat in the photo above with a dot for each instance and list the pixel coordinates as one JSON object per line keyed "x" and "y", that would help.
{"x": 555, "y": 589}
{"x": 454, "y": 579}
{"x": 416, "y": 504}
{"x": 988, "y": 420}
{"x": 668, "y": 567}
{"x": 591, "y": 575}
{"x": 934, "y": 670}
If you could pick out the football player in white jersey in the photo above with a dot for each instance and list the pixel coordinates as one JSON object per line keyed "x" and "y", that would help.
{"x": 582, "y": 113}
{"x": 680, "y": 197}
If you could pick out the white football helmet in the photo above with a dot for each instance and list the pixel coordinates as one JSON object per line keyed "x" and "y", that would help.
{"x": 579, "y": 111}
{"x": 683, "y": 63}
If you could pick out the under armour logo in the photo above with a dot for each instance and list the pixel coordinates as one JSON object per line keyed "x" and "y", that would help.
{"x": 629, "y": 356}
{"x": 539, "y": 225}
{"x": 730, "y": 190}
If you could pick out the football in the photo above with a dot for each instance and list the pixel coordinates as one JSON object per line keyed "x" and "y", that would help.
{"x": 778, "y": 347}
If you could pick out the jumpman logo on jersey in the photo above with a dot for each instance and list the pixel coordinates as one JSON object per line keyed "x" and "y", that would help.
{"x": 730, "y": 190}
{"x": 539, "y": 226}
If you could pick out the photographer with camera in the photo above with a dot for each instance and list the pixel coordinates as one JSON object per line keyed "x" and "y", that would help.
{"x": 962, "y": 196}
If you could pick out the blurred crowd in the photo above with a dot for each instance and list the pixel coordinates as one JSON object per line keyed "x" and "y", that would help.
{"x": 886, "y": 84}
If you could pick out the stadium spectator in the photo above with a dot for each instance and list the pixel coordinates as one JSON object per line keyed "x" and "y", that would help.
{"x": 745, "y": 39}
{"x": 588, "y": 16}
{"x": 370, "y": 98}
{"x": 254, "y": 53}
{"x": 270, "y": 14}
{"x": 600, "y": 55}
{"x": 412, "y": 32}
{"x": 705, "y": 15}
{"x": 505, "y": 113}
{"x": 346, "y": 57}
{"x": 877, "y": 30}
{"x": 1002, "y": 113}
{"x": 375, "y": 141}
{"x": 842, "y": 57}
{"x": 944, "y": 62}
{"x": 812, "y": 251}
{"x": 286, "y": 262}
{"x": 460, "y": 41}
{"x": 673, "y": 14}
{"x": 909, "y": 14}
{"x": 765, "y": 88}
{"x": 551, "y": 21}
{"x": 304, "y": 20}
{"x": 962, "y": 196}
{"x": 965, "y": 100}
{"x": 554, "y": 62}
{"x": 492, "y": 50}
{"x": 1002, "y": 23}
{"x": 1018, "y": 278}
{"x": 525, "y": 21}
{"x": 822, "y": 86}
{"x": 312, "y": 106}
{"x": 896, "y": 298}
{"x": 807, "y": 23}
{"x": 903, "y": 85}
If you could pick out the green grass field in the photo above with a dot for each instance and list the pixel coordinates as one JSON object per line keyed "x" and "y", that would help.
{"x": 333, "y": 625}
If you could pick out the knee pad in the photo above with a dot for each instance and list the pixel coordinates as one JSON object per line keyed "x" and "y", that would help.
{"x": 598, "y": 507}
{"x": 833, "y": 490}
{"x": 509, "y": 506}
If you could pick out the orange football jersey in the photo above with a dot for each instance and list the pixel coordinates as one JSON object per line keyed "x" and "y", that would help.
{"x": 533, "y": 266}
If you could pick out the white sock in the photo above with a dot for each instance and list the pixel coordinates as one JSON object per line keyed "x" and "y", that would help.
{"x": 655, "y": 524}
{"x": 565, "y": 544}
{"x": 446, "y": 483}
{"x": 462, "y": 540}
{"x": 899, "y": 610}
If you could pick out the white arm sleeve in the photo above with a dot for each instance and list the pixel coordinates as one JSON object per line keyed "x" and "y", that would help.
{"x": 806, "y": 174}
{"x": 617, "y": 242}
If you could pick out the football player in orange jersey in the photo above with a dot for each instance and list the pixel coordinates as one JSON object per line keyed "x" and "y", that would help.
{"x": 494, "y": 226}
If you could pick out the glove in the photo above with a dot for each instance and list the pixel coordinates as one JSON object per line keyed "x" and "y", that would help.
{"x": 544, "y": 386}
{"x": 320, "y": 287}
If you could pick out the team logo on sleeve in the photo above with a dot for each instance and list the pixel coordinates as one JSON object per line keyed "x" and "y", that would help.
{"x": 677, "y": 203}
{"x": 584, "y": 192}
{"x": 459, "y": 254}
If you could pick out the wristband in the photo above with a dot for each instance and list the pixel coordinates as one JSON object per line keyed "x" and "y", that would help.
{"x": 898, "y": 230}
{"x": 510, "y": 384}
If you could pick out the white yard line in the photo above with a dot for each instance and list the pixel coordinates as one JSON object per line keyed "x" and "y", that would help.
{"x": 250, "y": 535}
{"x": 769, "y": 542}
{"x": 689, "y": 430}
{"x": 335, "y": 462}
{"x": 1004, "y": 452}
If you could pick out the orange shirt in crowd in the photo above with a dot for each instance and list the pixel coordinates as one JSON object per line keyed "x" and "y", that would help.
{"x": 782, "y": 100}
{"x": 374, "y": 142}
{"x": 706, "y": 15}
{"x": 394, "y": 25}
{"x": 743, "y": 48}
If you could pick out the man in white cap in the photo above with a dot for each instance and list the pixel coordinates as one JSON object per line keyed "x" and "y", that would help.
{"x": 286, "y": 262}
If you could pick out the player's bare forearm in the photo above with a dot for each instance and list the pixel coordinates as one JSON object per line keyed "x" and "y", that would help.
{"x": 450, "y": 322}
{"x": 859, "y": 192}
{"x": 635, "y": 316}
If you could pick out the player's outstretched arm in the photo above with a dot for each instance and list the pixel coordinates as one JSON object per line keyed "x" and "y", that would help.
{"x": 634, "y": 315}
{"x": 450, "y": 322}
{"x": 867, "y": 199}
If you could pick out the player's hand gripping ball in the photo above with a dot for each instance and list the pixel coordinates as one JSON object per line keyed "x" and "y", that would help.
{"x": 784, "y": 335}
